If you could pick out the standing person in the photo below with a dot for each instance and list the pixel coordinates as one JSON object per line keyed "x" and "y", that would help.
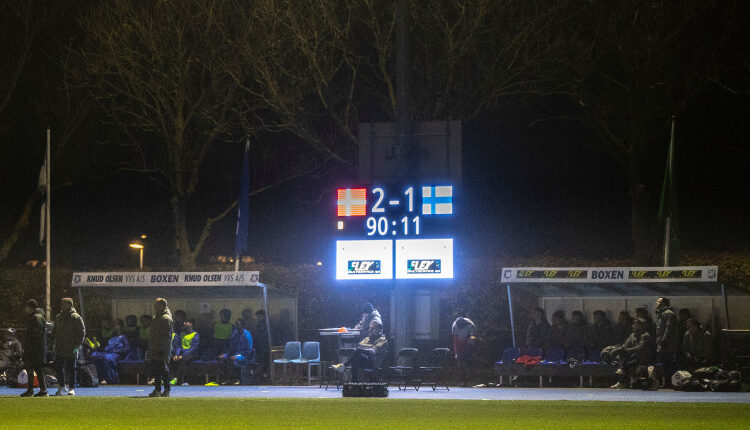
{"x": 667, "y": 335}
{"x": 464, "y": 341}
{"x": 68, "y": 333}
{"x": 261, "y": 343}
{"x": 369, "y": 314}
{"x": 160, "y": 346}
{"x": 35, "y": 347}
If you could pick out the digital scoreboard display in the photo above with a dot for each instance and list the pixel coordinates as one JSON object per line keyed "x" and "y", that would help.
{"x": 415, "y": 220}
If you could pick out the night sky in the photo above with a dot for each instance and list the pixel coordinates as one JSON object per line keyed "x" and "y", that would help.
{"x": 529, "y": 190}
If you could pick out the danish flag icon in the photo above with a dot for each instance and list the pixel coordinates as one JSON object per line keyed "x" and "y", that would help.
{"x": 351, "y": 202}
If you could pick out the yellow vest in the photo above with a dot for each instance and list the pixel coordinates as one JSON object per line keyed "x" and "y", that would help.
{"x": 222, "y": 331}
{"x": 187, "y": 340}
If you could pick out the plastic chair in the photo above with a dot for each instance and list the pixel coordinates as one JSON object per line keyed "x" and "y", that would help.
{"x": 406, "y": 368}
{"x": 292, "y": 351}
{"x": 509, "y": 355}
{"x": 554, "y": 355}
{"x": 310, "y": 357}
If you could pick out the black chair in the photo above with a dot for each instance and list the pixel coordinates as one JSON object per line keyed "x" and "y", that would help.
{"x": 406, "y": 370}
{"x": 342, "y": 355}
{"x": 435, "y": 372}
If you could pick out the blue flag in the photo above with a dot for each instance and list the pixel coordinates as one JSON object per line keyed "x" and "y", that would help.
{"x": 243, "y": 206}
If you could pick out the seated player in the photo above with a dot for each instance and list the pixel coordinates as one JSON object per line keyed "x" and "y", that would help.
{"x": 186, "y": 351}
{"x": 369, "y": 352}
{"x": 697, "y": 346}
{"x": 117, "y": 348}
{"x": 240, "y": 351}
{"x": 223, "y": 332}
{"x": 634, "y": 356}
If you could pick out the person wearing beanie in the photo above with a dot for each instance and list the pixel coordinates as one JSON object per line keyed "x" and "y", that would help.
{"x": 35, "y": 348}
{"x": 159, "y": 347}
{"x": 68, "y": 335}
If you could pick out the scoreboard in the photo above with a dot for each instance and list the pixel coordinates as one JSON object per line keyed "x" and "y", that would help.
{"x": 395, "y": 232}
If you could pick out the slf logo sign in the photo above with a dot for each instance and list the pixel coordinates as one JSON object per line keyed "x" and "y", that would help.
{"x": 423, "y": 266}
{"x": 364, "y": 267}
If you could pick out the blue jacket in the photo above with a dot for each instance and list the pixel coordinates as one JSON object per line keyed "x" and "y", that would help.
{"x": 193, "y": 350}
{"x": 242, "y": 343}
{"x": 118, "y": 345}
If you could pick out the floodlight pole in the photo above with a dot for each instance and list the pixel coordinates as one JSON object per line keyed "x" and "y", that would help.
{"x": 510, "y": 309}
{"x": 48, "y": 228}
{"x": 668, "y": 226}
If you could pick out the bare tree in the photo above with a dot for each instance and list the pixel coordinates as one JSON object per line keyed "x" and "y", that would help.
{"x": 166, "y": 73}
{"x": 643, "y": 62}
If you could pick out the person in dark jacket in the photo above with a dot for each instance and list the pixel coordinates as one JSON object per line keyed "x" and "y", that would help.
{"x": 160, "y": 346}
{"x": 369, "y": 353}
{"x": 697, "y": 346}
{"x": 369, "y": 314}
{"x": 240, "y": 351}
{"x": 261, "y": 342}
{"x": 35, "y": 348}
{"x": 635, "y": 355}
{"x": 11, "y": 353}
{"x": 667, "y": 336}
{"x": 117, "y": 348}
{"x": 537, "y": 330}
{"x": 68, "y": 333}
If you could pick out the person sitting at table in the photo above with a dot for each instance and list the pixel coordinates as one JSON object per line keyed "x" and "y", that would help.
{"x": 369, "y": 352}
{"x": 369, "y": 314}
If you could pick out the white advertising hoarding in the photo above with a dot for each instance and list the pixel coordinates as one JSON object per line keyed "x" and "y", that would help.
{"x": 364, "y": 259}
{"x": 424, "y": 259}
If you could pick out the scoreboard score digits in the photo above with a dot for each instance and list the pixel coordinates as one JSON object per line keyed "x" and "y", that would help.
{"x": 379, "y": 212}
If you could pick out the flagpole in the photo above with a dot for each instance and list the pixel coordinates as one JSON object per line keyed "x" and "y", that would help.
{"x": 48, "y": 225}
{"x": 668, "y": 226}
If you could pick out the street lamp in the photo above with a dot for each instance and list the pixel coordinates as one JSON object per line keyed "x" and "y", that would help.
{"x": 138, "y": 244}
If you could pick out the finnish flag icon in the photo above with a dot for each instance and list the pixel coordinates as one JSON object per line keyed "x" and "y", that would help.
{"x": 437, "y": 200}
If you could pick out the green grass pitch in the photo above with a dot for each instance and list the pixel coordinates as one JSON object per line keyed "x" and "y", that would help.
{"x": 89, "y": 413}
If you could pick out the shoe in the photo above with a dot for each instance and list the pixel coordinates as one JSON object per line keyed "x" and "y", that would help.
{"x": 339, "y": 367}
{"x": 184, "y": 384}
{"x": 71, "y": 392}
{"x": 237, "y": 382}
{"x": 619, "y": 372}
{"x": 212, "y": 384}
{"x": 165, "y": 393}
{"x": 151, "y": 381}
{"x": 27, "y": 394}
{"x": 61, "y": 391}
{"x": 173, "y": 381}
{"x": 41, "y": 394}
{"x": 155, "y": 393}
{"x": 102, "y": 382}
{"x": 618, "y": 386}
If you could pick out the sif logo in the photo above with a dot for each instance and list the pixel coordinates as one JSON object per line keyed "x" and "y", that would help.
{"x": 363, "y": 267}
{"x": 423, "y": 266}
